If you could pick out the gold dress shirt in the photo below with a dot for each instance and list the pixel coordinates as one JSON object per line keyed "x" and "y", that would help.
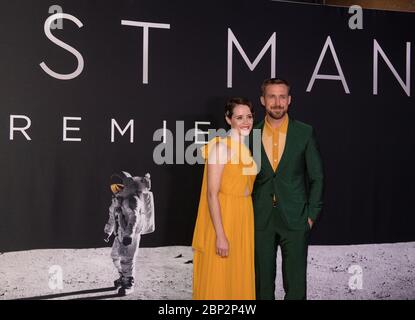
{"x": 273, "y": 140}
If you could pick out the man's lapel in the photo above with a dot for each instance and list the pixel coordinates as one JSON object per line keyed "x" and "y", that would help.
{"x": 289, "y": 145}
{"x": 265, "y": 164}
{"x": 288, "y": 148}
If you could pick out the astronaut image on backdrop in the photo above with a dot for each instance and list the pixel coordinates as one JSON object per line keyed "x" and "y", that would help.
{"x": 131, "y": 215}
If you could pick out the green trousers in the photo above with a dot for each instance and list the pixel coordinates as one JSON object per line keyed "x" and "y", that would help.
{"x": 294, "y": 245}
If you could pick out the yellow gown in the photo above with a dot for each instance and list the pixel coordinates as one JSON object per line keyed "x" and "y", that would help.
{"x": 233, "y": 277}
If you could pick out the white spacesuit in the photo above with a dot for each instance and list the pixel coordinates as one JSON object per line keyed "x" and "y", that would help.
{"x": 131, "y": 214}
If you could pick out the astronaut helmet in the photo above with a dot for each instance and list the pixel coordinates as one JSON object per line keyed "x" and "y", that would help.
{"x": 116, "y": 188}
{"x": 130, "y": 185}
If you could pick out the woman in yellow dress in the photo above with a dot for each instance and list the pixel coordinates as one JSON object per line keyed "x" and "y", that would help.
{"x": 223, "y": 239}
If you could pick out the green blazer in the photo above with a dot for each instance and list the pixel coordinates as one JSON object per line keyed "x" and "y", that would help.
{"x": 297, "y": 183}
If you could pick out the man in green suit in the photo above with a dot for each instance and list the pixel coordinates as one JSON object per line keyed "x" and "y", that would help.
{"x": 287, "y": 194}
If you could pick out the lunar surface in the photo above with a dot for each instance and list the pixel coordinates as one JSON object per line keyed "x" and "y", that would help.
{"x": 379, "y": 271}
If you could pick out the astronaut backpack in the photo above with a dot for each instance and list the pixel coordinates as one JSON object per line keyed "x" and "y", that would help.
{"x": 148, "y": 198}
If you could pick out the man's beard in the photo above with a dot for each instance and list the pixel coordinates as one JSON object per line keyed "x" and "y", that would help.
{"x": 276, "y": 114}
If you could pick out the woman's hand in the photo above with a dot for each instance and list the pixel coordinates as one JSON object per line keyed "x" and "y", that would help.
{"x": 222, "y": 246}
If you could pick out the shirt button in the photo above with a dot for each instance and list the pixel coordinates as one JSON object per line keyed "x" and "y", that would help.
{"x": 275, "y": 144}
{"x": 275, "y": 160}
